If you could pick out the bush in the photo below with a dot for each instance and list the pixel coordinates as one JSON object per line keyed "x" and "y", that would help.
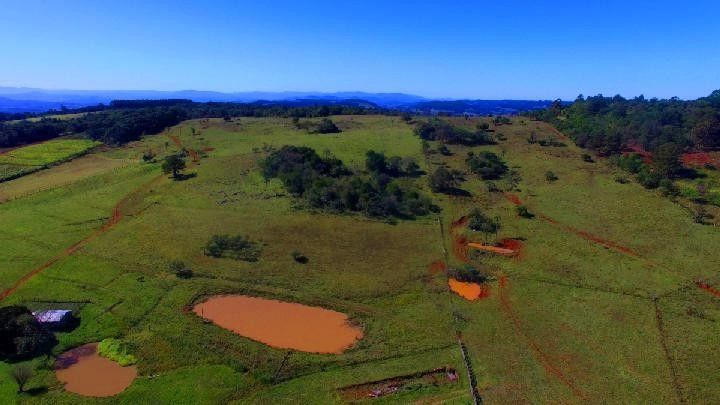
{"x": 587, "y": 158}
{"x": 148, "y": 156}
{"x": 299, "y": 257}
{"x": 326, "y": 126}
{"x": 22, "y": 373}
{"x": 479, "y": 222}
{"x": 467, "y": 274}
{"x": 523, "y": 212}
{"x": 550, "y": 176}
{"x": 235, "y": 247}
{"x": 621, "y": 179}
{"x": 180, "y": 269}
{"x": 117, "y": 351}
{"x": 649, "y": 178}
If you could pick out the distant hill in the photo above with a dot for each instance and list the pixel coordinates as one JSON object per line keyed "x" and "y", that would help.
{"x": 475, "y": 107}
{"x": 21, "y": 99}
{"x": 32, "y": 100}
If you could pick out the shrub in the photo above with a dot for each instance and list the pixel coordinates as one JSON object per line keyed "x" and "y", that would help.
{"x": 327, "y": 126}
{"x": 649, "y": 178}
{"x": 299, "y": 257}
{"x": 550, "y": 176}
{"x": 621, "y": 179}
{"x": 523, "y": 212}
{"x": 117, "y": 351}
{"x": 235, "y": 247}
{"x": 479, "y": 222}
{"x": 148, "y": 156}
{"x": 587, "y": 158}
{"x": 180, "y": 269}
{"x": 22, "y": 373}
{"x": 468, "y": 274}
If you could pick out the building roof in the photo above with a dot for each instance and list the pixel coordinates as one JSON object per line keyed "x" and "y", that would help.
{"x": 54, "y": 315}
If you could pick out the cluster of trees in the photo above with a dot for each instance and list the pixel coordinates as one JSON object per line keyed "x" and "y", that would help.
{"x": 440, "y": 130}
{"x": 236, "y": 247}
{"x": 325, "y": 126}
{"x": 665, "y": 166}
{"x": 394, "y": 166}
{"x": 487, "y": 165}
{"x": 126, "y": 120}
{"x": 326, "y": 183}
{"x": 607, "y": 124}
{"x": 21, "y": 335}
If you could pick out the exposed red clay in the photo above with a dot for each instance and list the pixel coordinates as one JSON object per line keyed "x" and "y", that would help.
{"x": 512, "y": 244}
{"x": 86, "y": 373}
{"x": 705, "y": 286}
{"x": 437, "y": 267}
{"x": 469, "y": 291}
{"x": 494, "y": 249}
{"x": 283, "y": 325}
{"x": 699, "y": 159}
{"x": 637, "y": 149}
{"x": 545, "y": 360}
{"x": 513, "y": 198}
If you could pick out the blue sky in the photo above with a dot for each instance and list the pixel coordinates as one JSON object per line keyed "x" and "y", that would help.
{"x": 458, "y": 49}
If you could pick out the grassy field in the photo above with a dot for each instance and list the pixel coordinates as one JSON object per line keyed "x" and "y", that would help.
{"x": 28, "y": 159}
{"x": 600, "y": 306}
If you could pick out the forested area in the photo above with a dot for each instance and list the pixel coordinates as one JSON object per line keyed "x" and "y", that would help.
{"x": 127, "y": 120}
{"x": 610, "y": 124}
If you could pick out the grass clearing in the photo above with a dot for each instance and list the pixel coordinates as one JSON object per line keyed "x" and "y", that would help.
{"x": 569, "y": 319}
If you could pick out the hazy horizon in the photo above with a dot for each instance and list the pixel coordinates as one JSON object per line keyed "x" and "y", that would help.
{"x": 457, "y": 51}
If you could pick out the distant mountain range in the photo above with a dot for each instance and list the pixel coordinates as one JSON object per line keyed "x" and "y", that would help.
{"x": 23, "y": 99}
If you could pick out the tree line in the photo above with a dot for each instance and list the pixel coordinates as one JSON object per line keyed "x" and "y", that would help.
{"x": 127, "y": 120}
{"x": 609, "y": 124}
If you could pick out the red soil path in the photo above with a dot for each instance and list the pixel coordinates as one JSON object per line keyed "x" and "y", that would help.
{"x": 544, "y": 359}
{"x": 115, "y": 217}
{"x": 579, "y": 232}
{"x": 699, "y": 159}
{"x": 705, "y": 286}
{"x": 494, "y": 249}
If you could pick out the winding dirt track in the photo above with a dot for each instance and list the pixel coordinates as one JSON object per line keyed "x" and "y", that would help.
{"x": 116, "y": 216}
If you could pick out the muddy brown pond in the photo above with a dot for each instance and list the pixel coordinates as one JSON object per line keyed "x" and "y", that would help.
{"x": 85, "y": 372}
{"x": 283, "y": 325}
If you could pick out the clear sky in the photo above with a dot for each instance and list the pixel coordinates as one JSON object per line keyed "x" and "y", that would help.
{"x": 457, "y": 49}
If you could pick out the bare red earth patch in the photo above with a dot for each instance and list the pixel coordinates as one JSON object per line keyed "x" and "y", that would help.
{"x": 437, "y": 267}
{"x": 705, "y": 286}
{"x": 513, "y": 198}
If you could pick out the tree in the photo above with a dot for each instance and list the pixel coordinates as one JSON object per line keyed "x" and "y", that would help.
{"x": 706, "y": 133}
{"x": 174, "y": 164}
{"x": 326, "y": 126}
{"x": 443, "y": 181}
{"x": 375, "y": 162}
{"x": 667, "y": 159}
{"x": 479, "y": 222}
{"x": 486, "y": 164}
{"x": 21, "y": 335}
{"x": 22, "y": 373}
